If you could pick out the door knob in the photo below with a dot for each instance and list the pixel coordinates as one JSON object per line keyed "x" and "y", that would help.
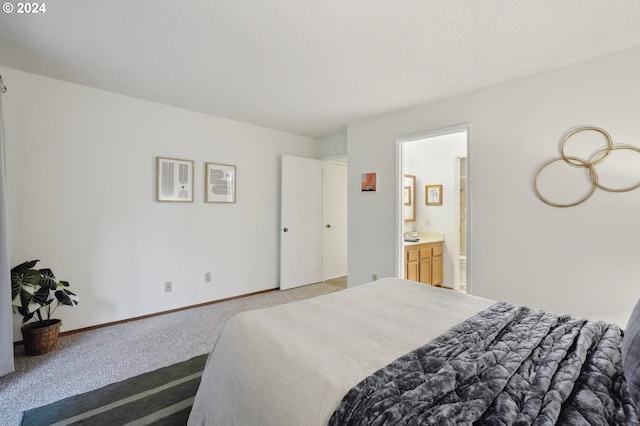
{"x": 328, "y": 225}
{"x": 285, "y": 230}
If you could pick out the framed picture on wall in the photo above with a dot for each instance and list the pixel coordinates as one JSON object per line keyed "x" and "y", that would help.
{"x": 174, "y": 180}
{"x": 220, "y": 183}
{"x": 369, "y": 182}
{"x": 433, "y": 195}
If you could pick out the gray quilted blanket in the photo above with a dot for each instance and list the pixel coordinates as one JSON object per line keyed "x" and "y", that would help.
{"x": 507, "y": 365}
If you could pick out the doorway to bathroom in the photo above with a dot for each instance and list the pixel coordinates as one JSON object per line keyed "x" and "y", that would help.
{"x": 439, "y": 162}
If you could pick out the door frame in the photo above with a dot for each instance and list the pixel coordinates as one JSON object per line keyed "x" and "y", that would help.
{"x": 458, "y": 189}
{"x": 399, "y": 239}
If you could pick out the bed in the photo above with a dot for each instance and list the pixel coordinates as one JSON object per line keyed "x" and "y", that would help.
{"x": 373, "y": 354}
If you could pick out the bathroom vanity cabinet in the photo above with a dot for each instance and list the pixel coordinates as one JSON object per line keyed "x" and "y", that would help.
{"x": 423, "y": 263}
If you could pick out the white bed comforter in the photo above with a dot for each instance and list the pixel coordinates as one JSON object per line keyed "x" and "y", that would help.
{"x": 292, "y": 364}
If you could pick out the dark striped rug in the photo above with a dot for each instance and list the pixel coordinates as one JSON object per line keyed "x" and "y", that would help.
{"x": 160, "y": 397}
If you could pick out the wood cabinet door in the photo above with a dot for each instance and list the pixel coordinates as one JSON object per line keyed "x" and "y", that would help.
{"x": 437, "y": 270}
{"x": 425, "y": 270}
{"x": 411, "y": 271}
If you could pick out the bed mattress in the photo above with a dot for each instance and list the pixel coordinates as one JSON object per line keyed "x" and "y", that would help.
{"x": 292, "y": 364}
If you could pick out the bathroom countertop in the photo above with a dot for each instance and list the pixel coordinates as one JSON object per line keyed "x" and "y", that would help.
{"x": 425, "y": 238}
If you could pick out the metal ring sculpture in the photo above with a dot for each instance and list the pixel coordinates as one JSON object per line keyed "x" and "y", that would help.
{"x": 590, "y": 163}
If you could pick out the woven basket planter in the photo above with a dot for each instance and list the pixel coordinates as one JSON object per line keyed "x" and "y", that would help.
{"x": 40, "y": 337}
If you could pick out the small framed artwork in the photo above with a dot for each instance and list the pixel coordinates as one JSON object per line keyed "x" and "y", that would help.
{"x": 220, "y": 183}
{"x": 369, "y": 182}
{"x": 174, "y": 180}
{"x": 433, "y": 195}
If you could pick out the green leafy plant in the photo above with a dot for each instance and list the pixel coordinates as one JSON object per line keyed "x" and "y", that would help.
{"x": 33, "y": 292}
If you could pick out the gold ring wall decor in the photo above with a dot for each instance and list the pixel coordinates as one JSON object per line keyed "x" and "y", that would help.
{"x": 623, "y": 189}
{"x": 599, "y": 159}
{"x": 590, "y": 163}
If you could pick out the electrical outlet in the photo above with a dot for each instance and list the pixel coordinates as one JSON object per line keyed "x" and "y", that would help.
{"x": 207, "y": 277}
{"x": 167, "y": 286}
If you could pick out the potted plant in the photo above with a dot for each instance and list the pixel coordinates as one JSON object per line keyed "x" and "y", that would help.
{"x": 33, "y": 293}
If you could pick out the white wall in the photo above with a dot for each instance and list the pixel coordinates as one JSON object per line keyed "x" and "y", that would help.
{"x": 81, "y": 170}
{"x": 434, "y": 161}
{"x": 581, "y": 260}
{"x": 332, "y": 146}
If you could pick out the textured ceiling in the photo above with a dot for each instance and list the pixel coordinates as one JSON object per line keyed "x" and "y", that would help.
{"x": 308, "y": 66}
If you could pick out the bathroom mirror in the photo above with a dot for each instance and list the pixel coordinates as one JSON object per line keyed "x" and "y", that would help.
{"x": 409, "y": 198}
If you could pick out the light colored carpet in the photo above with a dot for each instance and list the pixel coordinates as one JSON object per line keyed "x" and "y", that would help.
{"x": 92, "y": 359}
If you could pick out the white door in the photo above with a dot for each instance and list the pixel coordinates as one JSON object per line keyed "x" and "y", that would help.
{"x": 334, "y": 248}
{"x": 300, "y": 222}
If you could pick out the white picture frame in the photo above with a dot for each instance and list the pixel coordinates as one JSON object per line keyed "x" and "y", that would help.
{"x": 174, "y": 180}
